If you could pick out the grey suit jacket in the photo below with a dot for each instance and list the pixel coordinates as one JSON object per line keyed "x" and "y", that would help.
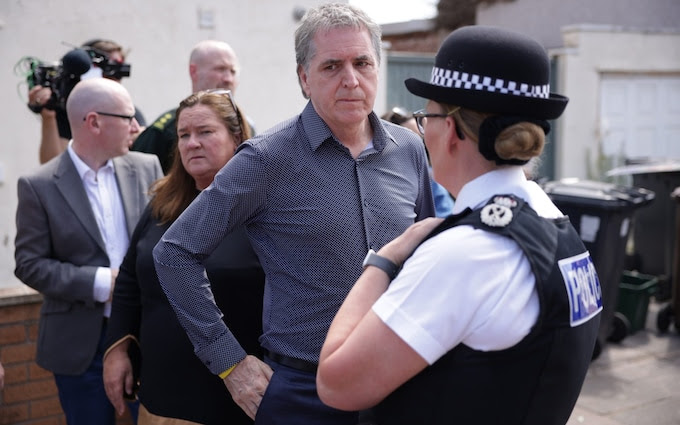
{"x": 58, "y": 248}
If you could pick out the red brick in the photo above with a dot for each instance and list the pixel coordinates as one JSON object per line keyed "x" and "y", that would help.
{"x": 32, "y": 331}
{"x": 56, "y": 420}
{"x": 20, "y": 313}
{"x": 45, "y": 408}
{"x": 12, "y": 334}
{"x": 15, "y": 373}
{"x": 17, "y": 353}
{"x": 13, "y": 414}
{"x": 30, "y": 395}
{"x": 32, "y": 390}
{"x": 35, "y": 372}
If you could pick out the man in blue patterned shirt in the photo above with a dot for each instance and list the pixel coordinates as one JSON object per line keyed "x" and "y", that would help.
{"x": 315, "y": 193}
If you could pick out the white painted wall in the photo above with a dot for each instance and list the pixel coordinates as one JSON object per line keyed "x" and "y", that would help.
{"x": 160, "y": 35}
{"x": 591, "y": 53}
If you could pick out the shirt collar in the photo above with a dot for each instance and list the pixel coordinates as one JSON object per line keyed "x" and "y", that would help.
{"x": 476, "y": 192}
{"x": 81, "y": 166}
{"x": 317, "y": 131}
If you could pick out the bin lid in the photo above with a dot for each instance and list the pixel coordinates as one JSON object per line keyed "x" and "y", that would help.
{"x": 676, "y": 194}
{"x": 596, "y": 194}
{"x": 650, "y": 167}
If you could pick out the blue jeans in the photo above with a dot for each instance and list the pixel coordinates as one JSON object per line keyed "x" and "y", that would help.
{"x": 291, "y": 398}
{"x": 83, "y": 398}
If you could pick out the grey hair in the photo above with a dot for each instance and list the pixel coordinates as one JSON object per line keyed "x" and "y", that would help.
{"x": 326, "y": 17}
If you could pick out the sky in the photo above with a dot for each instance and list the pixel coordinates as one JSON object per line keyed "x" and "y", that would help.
{"x": 388, "y": 11}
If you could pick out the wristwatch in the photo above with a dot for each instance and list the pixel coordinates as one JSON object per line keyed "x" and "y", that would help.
{"x": 373, "y": 259}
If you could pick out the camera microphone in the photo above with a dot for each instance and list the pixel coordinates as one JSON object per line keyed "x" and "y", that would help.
{"x": 60, "y": 77}
{"x": 76, "y": 62}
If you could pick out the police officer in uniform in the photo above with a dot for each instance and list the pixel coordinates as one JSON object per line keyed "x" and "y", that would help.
{"x": 490, "y": 315}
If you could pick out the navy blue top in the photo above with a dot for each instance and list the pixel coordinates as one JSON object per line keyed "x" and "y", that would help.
{"x": 311, "y": 212}
{"x": 174, "y": 382}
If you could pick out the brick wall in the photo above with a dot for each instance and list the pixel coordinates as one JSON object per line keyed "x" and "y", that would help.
{"x": 421, "y": 42}
{"x": 30, "y": 395}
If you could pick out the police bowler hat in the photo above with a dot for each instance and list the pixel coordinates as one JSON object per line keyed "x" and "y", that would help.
{"x": 492, "y": 70}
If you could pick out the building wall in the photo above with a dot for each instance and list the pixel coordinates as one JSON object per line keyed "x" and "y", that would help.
{"x": 416, "y": 42}
{"x": 543, "y": 19}
{"x": 590, "y": 37}
{"x": 589, "y": 53}
{"x": 30, "y": 394}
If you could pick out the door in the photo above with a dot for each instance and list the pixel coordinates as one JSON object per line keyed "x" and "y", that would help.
{"x": 639, "y": 117}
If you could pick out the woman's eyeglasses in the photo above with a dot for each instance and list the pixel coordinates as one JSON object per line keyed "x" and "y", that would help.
{"x": 233, "y": 105}
{"x": 421, "y": 117}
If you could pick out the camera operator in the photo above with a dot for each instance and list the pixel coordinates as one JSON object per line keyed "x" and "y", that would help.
{"x": 55, "y": 131}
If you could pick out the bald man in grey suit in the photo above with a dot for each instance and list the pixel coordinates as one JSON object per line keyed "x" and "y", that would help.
{"x": 74, "y": 219}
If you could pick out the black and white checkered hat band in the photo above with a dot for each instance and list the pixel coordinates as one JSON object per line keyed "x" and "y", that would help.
{"x": 463, "y": 80}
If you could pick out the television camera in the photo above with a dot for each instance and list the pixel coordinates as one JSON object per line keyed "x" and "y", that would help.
{"x": 63, "y": 75}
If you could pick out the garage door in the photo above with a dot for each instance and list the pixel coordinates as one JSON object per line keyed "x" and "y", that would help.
{"x": 640, "y": 117}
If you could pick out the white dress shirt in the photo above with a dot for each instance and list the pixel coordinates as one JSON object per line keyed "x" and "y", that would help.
{"x": 107, "y": 205}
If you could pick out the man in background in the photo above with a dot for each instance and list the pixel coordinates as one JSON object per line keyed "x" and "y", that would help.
{"x": 212, "y": 65}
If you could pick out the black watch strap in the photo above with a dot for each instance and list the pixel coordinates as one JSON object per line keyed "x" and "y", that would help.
{"x": 373, "y": 259}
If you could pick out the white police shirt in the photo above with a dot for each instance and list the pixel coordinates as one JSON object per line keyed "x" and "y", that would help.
{"x": 467, "y": 285}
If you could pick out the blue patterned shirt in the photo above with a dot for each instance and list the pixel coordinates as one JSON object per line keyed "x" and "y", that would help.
{"x": 311, "y": 211}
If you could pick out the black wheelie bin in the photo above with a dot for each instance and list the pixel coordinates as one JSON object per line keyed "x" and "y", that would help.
{"x": 670, "y": 314}
{"x": 654, "y": 235}
{"x": 602, "y": 214}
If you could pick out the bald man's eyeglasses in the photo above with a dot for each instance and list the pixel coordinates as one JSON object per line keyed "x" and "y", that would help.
{"x": 109, "y": 114}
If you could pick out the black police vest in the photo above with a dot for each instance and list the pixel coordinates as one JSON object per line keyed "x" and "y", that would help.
{"x": 537, "y": 381}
